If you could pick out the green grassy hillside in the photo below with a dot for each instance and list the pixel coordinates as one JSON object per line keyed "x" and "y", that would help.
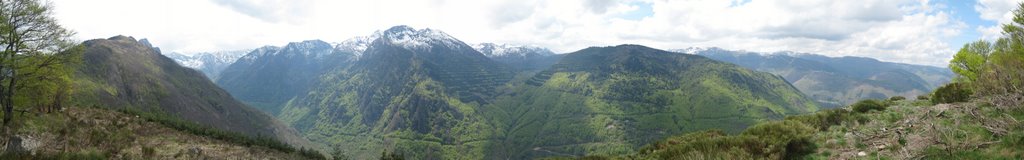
{"x": 612, "y": 100}
{"x": 122, "y": 73}
{"x": 608, "y": 100}
{"x": 420, "y": 101}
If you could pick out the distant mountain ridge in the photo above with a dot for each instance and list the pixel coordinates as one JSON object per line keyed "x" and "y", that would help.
{"x": 836, "y": 81}
{"x": 269, "y": 76}
{"x": 123, "y": 73}
{"x": 210, "y": 63}
{"x": 519, "y": 57}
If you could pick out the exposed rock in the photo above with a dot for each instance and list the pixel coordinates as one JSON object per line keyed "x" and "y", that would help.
{"x": 22, "y": 144}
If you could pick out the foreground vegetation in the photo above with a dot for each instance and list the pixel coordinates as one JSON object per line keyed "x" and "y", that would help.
{"x": 905, "y": 129}
{"x": 231, "y": 137}
{"x": 98, "y": 133}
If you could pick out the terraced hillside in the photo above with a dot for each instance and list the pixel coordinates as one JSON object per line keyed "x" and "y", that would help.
{"x": 612, "y": 100}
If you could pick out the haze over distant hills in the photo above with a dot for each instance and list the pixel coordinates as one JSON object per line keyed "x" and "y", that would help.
{"x": 837, "y": 81}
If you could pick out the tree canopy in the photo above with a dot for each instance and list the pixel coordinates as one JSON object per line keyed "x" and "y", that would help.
{"x": 34, "y": 55}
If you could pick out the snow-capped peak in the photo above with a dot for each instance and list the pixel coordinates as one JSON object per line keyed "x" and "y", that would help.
{"x": 358, "y": 45}
{"x": 316, "y": 48}
{"x": 693, "y": 50}
{"x": 509, "y": 50}
{"x": 201, "y": 60}
{"x": 410, "y": 38}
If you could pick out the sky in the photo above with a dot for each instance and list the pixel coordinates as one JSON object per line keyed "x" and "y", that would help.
{"x": 926, "y": 32}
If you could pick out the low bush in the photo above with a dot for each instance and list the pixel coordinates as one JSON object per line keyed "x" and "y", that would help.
{"x": 922, "y": 97}
{"x": 897, "y": 98}
{"x": 311, "y": 153}
{"x": 791, "y": 139}
{"x": 828, "y": 118}
{"x": 868, "y": 105}
{"x": 773, "y": 140}
{"x": 951, "y": 93}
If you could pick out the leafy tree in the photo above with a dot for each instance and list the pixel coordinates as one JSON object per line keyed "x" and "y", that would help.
{"x": 968, "y": 62}
{"x": 35, "y": 49}
{"x": 994, "y": 68}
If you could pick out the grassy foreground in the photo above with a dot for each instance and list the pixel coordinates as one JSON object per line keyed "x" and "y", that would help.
{"x": 95, "y": 133}
{"x": 898, "y": 129}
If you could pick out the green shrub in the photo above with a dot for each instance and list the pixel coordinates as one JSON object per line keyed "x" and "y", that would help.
{"x": 148, "y": 152}
{"x": 1013, "y": 140}
{"x": 593, "y": 158}
{"x": 897, "y": 98}
{"x": 311, "y": 153}
{"x": 951, "y": 93}
{"x": 681, "y": 139}
{"x": 868, "y": 105}
{"x": 827, "y": 118}
{"x": 793, "y": 135}
{"x": 772, "y": 140}
{"x": 388, "y": 155}
{"x": 922, "y": 97}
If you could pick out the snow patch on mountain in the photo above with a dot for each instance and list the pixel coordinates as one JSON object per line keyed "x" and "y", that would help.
{"x": 357, "y": 45}
{"x": 694, "y": 50}
{"x": 315, "y": 48}
{"x": 200, "y": 60}
{"x": 509, "y": 50}
{"x": 260, "y": 52}
{"x": 423, "y": 39}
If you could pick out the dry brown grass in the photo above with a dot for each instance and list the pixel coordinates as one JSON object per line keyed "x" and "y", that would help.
{"x": 122, "y": 136}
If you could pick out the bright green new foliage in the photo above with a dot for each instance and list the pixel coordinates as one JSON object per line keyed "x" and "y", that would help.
{"x": 969, "y": 61}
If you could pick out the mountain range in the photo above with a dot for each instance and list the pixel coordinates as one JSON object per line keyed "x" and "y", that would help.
{"x": 409, "y": 91}
{"x": 210, "y": 63}
{"x": 830, "y": 81}
{"x": 424, "y": 93}
{"x": 837, "y": 81}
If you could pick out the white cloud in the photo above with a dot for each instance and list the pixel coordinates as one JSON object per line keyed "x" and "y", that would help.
{"x": 293, "y": 11}
{"x": 902, "y": 31}
{"x": 893, "y": 30}
{"x": 999, "y": 11}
